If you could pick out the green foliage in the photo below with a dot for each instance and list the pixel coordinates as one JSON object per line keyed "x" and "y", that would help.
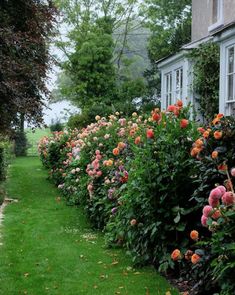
{"x": 210, "y": 171}
{"x": 144, "y": 181}
{"x": 170, "y": 26}
{"x": 78, "y": 121}
{"x": 206, "y": 78}
{"x": 138, "y": 181}
{"x": 215, "y": 271}
{"x": 56, "y": 126}
{"x": 87, "y": 116}
{"x": 90, "y": 67}
{"x": 20, "y": 143}
{"x": 109, "y": 54}
{"x": 223, "y": 252}
{"x": 157, "y": 194}
{"x": 5, "y": 156}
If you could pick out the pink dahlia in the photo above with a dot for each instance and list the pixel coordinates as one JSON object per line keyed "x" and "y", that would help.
{"x": 204, "y": 220}
{"x": 213, "y": 202}
{"x": 228, "y": 198}
{"x": 207, "y": 210}
{"x": 222, "y": 189}
{"x": 216, "y": 193}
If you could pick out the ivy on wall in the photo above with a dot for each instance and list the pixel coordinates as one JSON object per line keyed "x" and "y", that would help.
{"x": 206, "y": 71}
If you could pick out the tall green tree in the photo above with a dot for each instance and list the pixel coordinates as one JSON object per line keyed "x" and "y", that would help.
{"x": 97, "y": 50}
{"x": 89, "y": 66}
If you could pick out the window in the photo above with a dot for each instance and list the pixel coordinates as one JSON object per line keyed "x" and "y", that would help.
{"x": 230, "y": 80}
{"x": 173, "y": 85}
{"x": 217, "y": 14}
{"x": 179, "y": 83}
{"x": 168, "y": 89}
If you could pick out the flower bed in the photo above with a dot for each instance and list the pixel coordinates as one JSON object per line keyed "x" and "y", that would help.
{"x": 210, "y": 262}
{"x": 144, "y": 180}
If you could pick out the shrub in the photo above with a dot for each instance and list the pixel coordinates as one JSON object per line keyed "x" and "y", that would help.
{"x": 87, "y": 116}
{"x": 214, "y": 159}
{"x": 129, "y": 172}
{"x": 78, "y": 121}
{"x": 56, "y": 126}
{"x": 212, "y": 257}
{"x": 156, "y": 196}
{"x": 5, "y": 156}
{"x": 213, "y": 152}
{"x": 20, "y": 146}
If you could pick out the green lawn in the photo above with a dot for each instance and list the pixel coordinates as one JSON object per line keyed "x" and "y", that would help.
{"x": 49, "y": 248}
{"x": 33, "y": 138}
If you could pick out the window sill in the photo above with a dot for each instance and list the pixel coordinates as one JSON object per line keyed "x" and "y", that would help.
{"x": 230, "y": 101}
{"x": 216, "y": 25}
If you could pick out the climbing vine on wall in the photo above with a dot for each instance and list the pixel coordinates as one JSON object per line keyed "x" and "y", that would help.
{"x": 206, "y": 78}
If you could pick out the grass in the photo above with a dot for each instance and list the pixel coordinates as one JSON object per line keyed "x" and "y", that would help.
{"x": 49, "y": 248}
{"x": 33, "y": 138}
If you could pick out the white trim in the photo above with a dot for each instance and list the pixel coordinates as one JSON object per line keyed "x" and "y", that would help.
{"x": 170, "y": 60}
{"x": 220, "y": 20}
{"x": 223, "y": 102}
{"x": 172, "y": 68}
{"x": 197, "y": 43}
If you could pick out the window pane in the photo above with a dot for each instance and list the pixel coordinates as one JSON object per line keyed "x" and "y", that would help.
{"x": 167, "y": 83}
{"x": 168, "y": 94}
{"x": 177, "y": 80}
{"x": 170, "y": 82}
{"x": 215, "y": 11}
{"x": 230, "y": 109}
{"x": 170, "y": 99}
{"x": 179, "y": 83}
{"x": 181, "y": 79}
{"x": 230, "y": 87}
{"x": 231, "y": 60}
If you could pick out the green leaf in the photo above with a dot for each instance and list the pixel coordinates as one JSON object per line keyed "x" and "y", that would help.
{"x": 177, "y": 218}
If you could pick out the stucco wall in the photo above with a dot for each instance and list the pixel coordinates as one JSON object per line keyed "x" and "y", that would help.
{"x": 229, "y": 11}
{"x": 202, "y": 16}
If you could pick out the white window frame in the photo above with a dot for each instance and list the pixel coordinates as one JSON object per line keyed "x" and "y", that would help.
{"x": 170, "y": 96}
{"x": 179, "y": 92}
{"x": 227, "y": 107}
{"x": 227, "y": 100}
{"x": 172, "y": 64}
{"x": 220, "y": 16}
{"x": 168, "y": 88}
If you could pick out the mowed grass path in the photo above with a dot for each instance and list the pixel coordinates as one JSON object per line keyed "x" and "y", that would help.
{"x": 49, "y": 248}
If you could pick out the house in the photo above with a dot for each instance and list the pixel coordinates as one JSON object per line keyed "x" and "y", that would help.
{"x": 212, "y": 20}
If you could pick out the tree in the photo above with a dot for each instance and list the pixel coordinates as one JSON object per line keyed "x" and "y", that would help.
{"x": 90, "y": 67}
{"x": 170, "y": 26}
{"x": 25, "y": 27}
{"x": 98, "y": 52}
